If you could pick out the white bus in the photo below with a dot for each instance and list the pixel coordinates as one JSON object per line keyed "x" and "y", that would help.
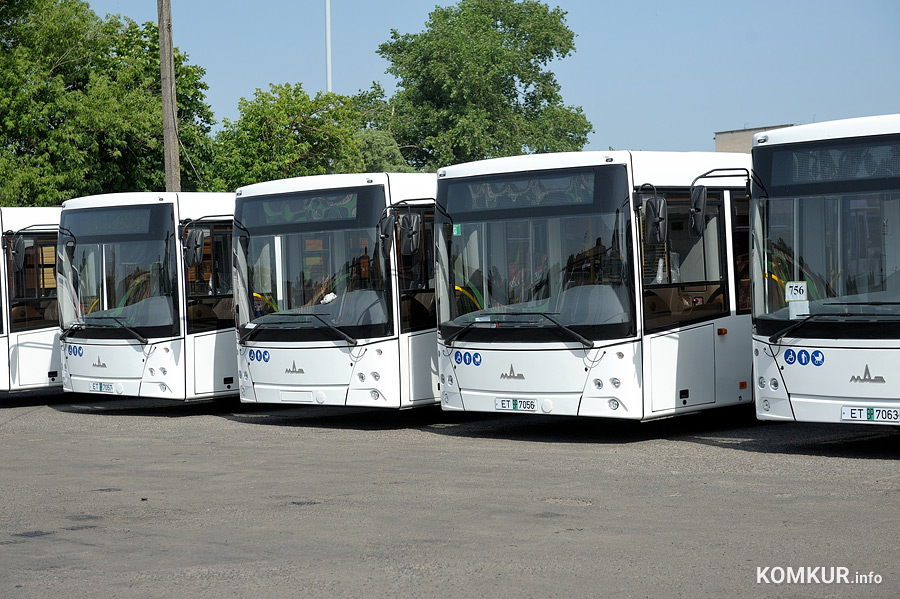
{"x": 826, "y": 272}
{"x": 29, "y": 333}
{"x": 594, "y": 284}
{"x": 334, "y": 283}
{"x": 145, "y": 300}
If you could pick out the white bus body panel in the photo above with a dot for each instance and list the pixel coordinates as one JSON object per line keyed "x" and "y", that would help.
{"x": 213, "y": 359}
{"x": 558, "y": 377}
{"x": 817, "y": 388}
{"x": 699, "y": 365}
{"x": 155, "y": 370}
{"x": 334, "y": 374}
{"x": 33, "y": 358}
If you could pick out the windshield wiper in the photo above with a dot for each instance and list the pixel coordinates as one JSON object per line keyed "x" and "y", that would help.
{"x": 275, "y": 324}
{"x": 80, "y": 326}
{"x": 75, "y": 326}
{"x": 333, "y": 327}
{"x": 587, "y": 343}
{"x": 776, "y": 338}
{"x": 571, "y": 333}
{"x": 450, "y": 338}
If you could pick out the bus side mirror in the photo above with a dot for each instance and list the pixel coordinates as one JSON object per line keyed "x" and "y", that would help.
{"x": 18, "y": 253}
{"x": 697, "y": 220}
{"x": 655, "y": 225}
{"x": 409, "y": 234}
{"x": 70, "y": 251}
{"x": 193, "y": 247}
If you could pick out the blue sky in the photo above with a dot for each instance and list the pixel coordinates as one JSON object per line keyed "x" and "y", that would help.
{"x": 649, "y": 74}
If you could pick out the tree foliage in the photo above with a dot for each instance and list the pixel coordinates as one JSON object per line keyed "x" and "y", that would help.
{"x": 284, "y": 133}
{"x": 474, "y": 84}
{"x": 80, "y": 107}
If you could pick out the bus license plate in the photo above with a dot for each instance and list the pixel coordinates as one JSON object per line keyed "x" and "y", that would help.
{"x": 516, "y": 405}
{"x": 100, "y": 387}
{"x": 855, "y": 414}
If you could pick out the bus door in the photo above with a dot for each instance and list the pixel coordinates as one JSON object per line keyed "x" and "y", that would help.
{"x": 33, "y": 321}
{"x": 418, "y": 319}
{"x": 210, "y": 309}
{"x": 685, "y": 293}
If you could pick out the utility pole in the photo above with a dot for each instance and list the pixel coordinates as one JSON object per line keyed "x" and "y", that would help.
{"x": 328, "y": 46}
{"x": 167, "y": 77}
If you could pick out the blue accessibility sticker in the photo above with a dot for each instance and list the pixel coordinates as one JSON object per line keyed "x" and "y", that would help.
{"x": 790, "y": 356}
{"x": 804, "y": 357}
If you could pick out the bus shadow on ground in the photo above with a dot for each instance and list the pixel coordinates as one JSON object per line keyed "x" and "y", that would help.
{"x": 851, "y": 441}
{"x": 732, "y": 428}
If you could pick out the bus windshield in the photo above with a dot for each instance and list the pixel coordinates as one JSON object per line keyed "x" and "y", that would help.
{"x": 117, "y": 272}
{"x": 537, "y": 256}
{"x": 311, "y": 266}
{"x": 827, "y": 239}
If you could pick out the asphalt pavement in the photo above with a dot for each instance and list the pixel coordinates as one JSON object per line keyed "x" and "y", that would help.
{"x": 106, "y": 498}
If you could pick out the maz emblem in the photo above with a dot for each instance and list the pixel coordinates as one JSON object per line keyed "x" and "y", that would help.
{"x": 293, "y": 369}
{"x": 512, "y": 375}
{"x": 867, "y": 378}
{"x": 98, "y": 363}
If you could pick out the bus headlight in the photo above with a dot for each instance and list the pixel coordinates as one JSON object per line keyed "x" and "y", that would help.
{"x": 614, "y": 404}
{"x": 362, "y": 377}
{"x": 375, "y": 394}
{"x": 598, "y": 384}
{"x": 761, "y": 382}
{"x": 774, "y": 384}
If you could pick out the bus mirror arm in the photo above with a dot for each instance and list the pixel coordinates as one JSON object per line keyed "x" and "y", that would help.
{"x": 386, "y": 231}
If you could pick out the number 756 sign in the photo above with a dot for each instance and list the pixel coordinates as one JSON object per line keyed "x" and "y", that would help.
{"x": 795, "y": 291}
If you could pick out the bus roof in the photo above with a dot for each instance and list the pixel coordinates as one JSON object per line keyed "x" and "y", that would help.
{"x": 15, "y": 218}
{"x": 191, "y": 205}
{"x": 675, "y": 169}
{"x": 857, "y": 127}
{"x": 399, "y": 186}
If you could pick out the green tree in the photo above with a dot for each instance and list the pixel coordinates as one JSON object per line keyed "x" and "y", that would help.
{"x": 80, "y": 108}
{"x": 284, "y": 133}
{"x": 474, "y": 85}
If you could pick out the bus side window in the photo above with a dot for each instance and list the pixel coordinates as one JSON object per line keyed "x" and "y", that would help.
{"x": 210, "y": 298}
{"x": 741, "y": 242}
{"x": 684, "y": 279}
{"x": 416, "y": 276}
{"x": 33, "y": 287}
